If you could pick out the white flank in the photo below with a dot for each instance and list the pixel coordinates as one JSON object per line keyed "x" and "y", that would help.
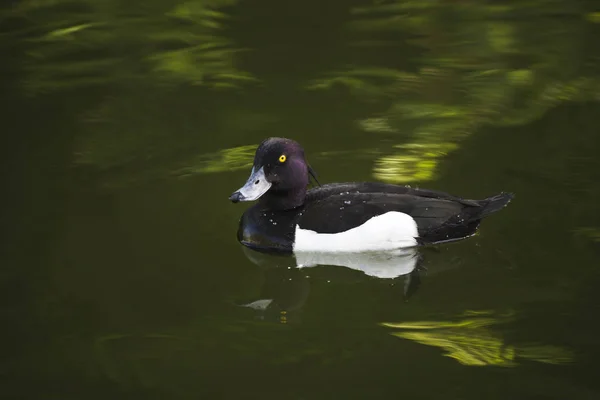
{"x": 389, "y": 231}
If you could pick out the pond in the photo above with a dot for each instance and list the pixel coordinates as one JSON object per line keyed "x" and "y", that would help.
{"x": 127, "y": 125}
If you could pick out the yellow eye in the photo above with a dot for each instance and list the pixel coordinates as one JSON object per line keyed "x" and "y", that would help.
{"x": 282, "y": 158}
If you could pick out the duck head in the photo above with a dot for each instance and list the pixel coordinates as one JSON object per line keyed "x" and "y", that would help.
{"x": 279, "y": 177}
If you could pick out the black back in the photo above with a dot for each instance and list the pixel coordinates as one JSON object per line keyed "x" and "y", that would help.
{"x": 439, "y": 216}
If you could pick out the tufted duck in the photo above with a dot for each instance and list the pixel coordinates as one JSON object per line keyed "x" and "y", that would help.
{"x": 345, "y": 217}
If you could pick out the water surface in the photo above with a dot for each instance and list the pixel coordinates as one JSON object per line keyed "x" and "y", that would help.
{"x": 126, "y": 126}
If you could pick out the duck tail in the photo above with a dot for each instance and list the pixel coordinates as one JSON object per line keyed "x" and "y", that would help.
{"x": 495, "y": 203}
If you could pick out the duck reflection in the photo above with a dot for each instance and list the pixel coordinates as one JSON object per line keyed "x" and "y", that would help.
{"x": 284, "y": 292}
{"x": 287, "y": 278}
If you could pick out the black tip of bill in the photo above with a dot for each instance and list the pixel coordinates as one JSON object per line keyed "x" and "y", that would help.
{"x": 236, "y": 197}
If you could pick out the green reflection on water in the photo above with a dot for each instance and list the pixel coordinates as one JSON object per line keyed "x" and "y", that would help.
{"x": 87, "y": 43}
{"x": 414, "y": 162}
{"x": 493, "y": 65}
{"x": 593, "y": 17}
{"x": 472, "y": 342}
{"x": 590, "y": 233}
{"x": 225, "y": 160}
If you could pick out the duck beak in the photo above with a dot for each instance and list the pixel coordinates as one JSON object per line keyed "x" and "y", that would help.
{"x": 255, "y": 186}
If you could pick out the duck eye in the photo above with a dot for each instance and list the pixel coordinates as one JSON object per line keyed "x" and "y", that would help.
{"x": 282, "y": 158}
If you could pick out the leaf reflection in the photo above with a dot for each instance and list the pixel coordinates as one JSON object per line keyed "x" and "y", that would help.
{"x": 493, "y": 65}
{"x": 169, "y": 42}
{"x": 414, "y": 162}
{"x": 589, "y": 233}
{"x": 472, "y": 341}
{"x": 225, "y": 160}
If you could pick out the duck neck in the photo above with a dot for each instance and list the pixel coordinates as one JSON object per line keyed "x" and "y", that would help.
{"x": 284, "y": 199}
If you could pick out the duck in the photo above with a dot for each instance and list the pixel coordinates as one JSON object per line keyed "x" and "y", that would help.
{"x": 291, "y": 217}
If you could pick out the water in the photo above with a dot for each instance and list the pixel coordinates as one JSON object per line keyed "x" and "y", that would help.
{"x": 126, "y": 127}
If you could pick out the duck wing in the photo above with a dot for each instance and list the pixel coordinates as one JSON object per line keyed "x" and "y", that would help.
{"x": 341, "y": 212}
{"x": 439, "y": 216}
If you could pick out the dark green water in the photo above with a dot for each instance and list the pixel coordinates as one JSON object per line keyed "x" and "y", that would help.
{"x": 126, "y": 125}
